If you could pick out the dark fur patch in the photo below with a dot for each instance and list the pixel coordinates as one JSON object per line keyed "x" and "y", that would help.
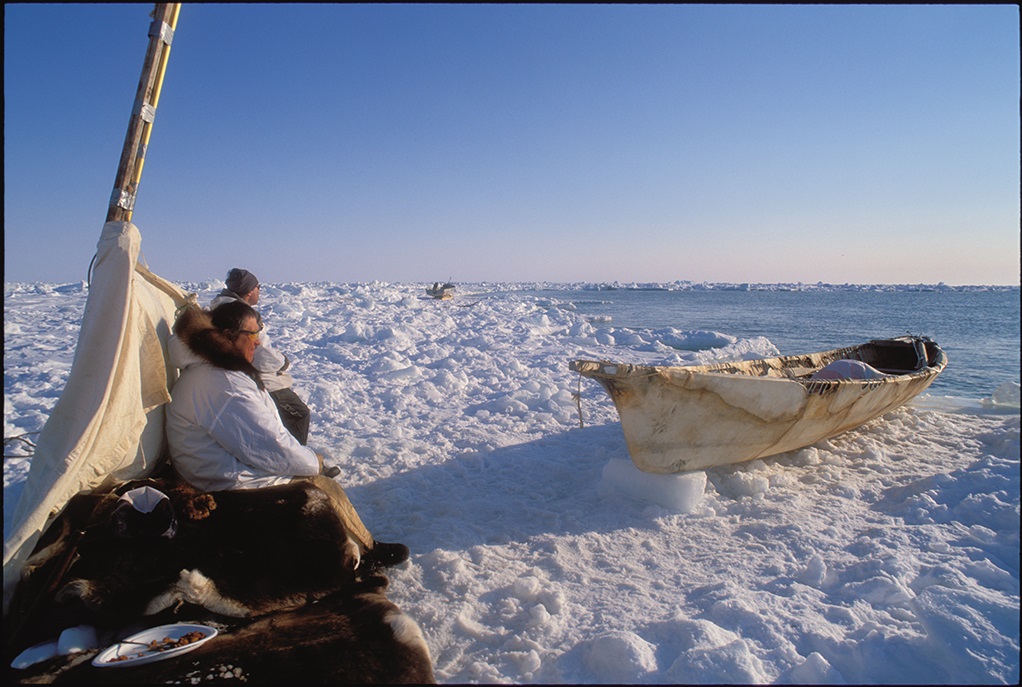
{"x": 195, "y": 329}
{"x": 277, "y": 552}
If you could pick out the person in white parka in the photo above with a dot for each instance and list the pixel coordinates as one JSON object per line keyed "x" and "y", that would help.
{"x": 223, "y": 429}
{"x": 273, "y": 366}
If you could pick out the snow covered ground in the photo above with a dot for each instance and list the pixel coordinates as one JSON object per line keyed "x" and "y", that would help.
{"x": 889, "y": 554}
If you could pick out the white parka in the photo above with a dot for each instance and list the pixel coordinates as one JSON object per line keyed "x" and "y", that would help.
{"x": 224, "y": 432}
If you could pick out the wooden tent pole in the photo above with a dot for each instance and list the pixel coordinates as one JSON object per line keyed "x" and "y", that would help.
{"x": 140, "y": 126}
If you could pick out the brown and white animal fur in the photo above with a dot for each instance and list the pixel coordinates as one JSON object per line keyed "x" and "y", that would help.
{"x": 275, "y": 564}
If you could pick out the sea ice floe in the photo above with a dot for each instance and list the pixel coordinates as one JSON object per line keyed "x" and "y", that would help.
{"x": 1008, "y": 394}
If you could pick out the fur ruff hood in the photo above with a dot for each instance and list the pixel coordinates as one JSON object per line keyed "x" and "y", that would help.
{"x": 195, "y": 331}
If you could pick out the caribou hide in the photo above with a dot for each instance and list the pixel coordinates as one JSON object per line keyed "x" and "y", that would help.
{"x": 271, "y": 566}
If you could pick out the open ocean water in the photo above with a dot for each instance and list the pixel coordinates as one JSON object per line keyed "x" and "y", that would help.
{"x": 978, "y": 329}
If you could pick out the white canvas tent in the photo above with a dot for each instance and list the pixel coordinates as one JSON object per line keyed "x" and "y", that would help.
{"x": 109, "y": 420}
{"x": 108, "y": 423}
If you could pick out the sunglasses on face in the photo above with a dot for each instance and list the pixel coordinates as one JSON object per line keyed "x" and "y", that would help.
{"x": 252, "y": 335}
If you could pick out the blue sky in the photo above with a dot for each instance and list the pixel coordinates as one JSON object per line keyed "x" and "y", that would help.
{"x": 864, "y": 144}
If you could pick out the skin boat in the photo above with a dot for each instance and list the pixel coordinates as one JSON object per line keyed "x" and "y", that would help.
{"x": 440, "y": 292}
{"x": 677, "y": 419}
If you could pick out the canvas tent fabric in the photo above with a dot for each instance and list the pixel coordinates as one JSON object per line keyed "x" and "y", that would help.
{"x": 109, "y": 421}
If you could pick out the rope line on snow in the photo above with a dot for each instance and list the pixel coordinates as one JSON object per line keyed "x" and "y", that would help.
{"x": 26, "y": 442}
{"x": 577, "y": 396}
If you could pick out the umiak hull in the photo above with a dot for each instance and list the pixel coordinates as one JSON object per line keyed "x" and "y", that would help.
{"x": 677, "y": 419}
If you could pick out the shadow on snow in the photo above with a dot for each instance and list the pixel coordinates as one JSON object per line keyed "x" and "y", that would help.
{"x": 508, "y": 494}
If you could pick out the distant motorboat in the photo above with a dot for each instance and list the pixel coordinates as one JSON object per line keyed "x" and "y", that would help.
{"x": 695, "y": 417}
{"x": 440, "y": 291}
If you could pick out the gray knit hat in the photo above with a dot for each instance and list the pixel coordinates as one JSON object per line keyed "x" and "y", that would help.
{"x": 241, "y": 281}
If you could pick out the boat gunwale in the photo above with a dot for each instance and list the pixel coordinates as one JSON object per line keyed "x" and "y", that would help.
{"x": 732, "y": 369}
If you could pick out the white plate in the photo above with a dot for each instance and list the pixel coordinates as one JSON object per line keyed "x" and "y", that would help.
{"x": 125, "y": 653}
